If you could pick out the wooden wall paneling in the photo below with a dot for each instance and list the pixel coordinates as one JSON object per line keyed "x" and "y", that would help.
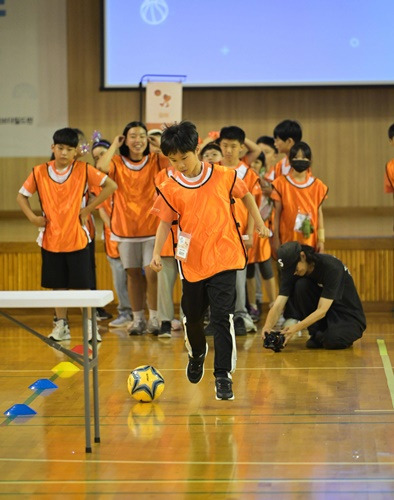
{"x": 372, "y": 271}
{"x": 12, "y": 271}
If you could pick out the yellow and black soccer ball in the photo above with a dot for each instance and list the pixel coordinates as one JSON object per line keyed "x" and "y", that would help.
{"x": 145, "y": 383}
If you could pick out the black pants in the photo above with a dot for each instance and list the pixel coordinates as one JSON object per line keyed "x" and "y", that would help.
{"x": 337, "y": 330}
{"x": 92, "y": 266}
{"x": 218, "y": 292}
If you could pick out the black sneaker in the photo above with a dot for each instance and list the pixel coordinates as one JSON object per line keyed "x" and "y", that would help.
{"x": 239, "y": 326}
{"x": 165, "y": 329}
{"x": 195, "y": 368}
{"x": 224, "y": 388}
{"x": 102, "y": 314}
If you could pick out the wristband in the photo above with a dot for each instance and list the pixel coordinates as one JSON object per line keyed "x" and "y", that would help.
{"x": 321, "y": 235}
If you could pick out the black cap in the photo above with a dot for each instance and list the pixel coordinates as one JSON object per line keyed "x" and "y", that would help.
{"x": 289, "y": 256}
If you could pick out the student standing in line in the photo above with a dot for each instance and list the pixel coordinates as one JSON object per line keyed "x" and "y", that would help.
{"x": 298, "y": 200}
{"x": 259, "y": 256}
{"x": 132, "y": 225}
{"x": 232, "y": 140}
{"x": 61, "y": 185}
{"x": 119, "y": 275}
{"x": 169, "y": 271}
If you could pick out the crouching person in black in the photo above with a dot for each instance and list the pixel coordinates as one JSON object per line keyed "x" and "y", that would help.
{"x": 316, "y": 292}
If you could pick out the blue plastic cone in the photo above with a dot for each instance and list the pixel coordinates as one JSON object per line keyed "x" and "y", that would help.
{"x": 42, "y": 384}
{"x": 19, "y": 410}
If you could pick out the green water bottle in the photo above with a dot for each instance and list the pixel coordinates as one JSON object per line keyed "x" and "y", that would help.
{"x": 306, "y": 227}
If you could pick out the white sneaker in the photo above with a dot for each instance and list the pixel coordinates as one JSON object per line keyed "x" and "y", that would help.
{"x": 90, "y": 331}
{"x": 153, "y": 326}
{"x": 249, "y": 325}
{"x": 138, "y": 327}
{"x": 121, "y": 320}
{"x": 176, "y": 324}
{"x": 61, "y": 331}
{"x": 279, "y": 323}
{"x": 291, "y": 322}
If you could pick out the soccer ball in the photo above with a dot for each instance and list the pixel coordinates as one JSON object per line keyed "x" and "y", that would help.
{"x": 145, "y": 383}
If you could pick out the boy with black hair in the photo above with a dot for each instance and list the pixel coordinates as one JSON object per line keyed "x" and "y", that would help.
{"x": 211, "y": 153}
{"x": 286, "y": 134}
{"x": 209, "y": 249}
{"x": 61, "y": 185}
{"x": 318, "y": 292}
{"x": 232, "y": 140}
{"x": 389, "y": 171}
{"x": 234, "y": 136}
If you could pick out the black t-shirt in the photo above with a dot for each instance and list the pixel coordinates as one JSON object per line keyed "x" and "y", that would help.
{"x": 337, "y": 284}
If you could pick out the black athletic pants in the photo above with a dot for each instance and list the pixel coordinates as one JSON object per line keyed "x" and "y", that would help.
{"x": 218, "y": 292}
{"x": 337, "y": 330}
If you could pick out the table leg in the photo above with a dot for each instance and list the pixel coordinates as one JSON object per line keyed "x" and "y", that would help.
{"x": 95, "y": 379}
{"x": 86, "y": 378}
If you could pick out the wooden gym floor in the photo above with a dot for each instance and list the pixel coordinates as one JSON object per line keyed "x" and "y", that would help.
{"x": 305, "y": 424}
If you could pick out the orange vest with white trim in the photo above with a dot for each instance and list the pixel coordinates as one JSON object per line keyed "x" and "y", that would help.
{"x": 61, "y": 204}
{"x": 298, "y": 199}
{"x": 252, "y": 181}
{"x": 170, "y": 243}
{"x": 110, "y": 246}
{"x": 133, "y": 199}
{"x": 282, "y": 167}
{"x": 206, "y": 212}
{"x": 261, "y": 249}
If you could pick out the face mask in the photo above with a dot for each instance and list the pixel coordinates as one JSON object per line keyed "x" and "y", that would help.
{"x": 300, "y": 165}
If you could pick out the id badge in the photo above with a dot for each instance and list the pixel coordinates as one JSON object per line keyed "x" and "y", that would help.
{"x": 299, "y": 222}
{"x": 182, "y": 248}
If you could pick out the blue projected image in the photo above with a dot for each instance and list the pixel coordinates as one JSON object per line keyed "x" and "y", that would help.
{"x": 249, "y": 43}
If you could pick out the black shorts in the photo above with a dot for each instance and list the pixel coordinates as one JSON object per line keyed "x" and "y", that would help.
{"x": 92, "y": 267}
{"x": 67, "y": 270}
{"x": 265, "y": 267}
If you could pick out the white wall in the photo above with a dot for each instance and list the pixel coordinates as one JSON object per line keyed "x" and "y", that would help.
{"x": 33, "y": 76}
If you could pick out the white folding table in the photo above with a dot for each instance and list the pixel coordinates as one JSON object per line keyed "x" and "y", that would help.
{"x": 67, "y": 298}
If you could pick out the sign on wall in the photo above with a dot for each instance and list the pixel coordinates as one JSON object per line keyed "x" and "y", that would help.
{"x": 33, "y": 76}
{"x": 163, "y": 103}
